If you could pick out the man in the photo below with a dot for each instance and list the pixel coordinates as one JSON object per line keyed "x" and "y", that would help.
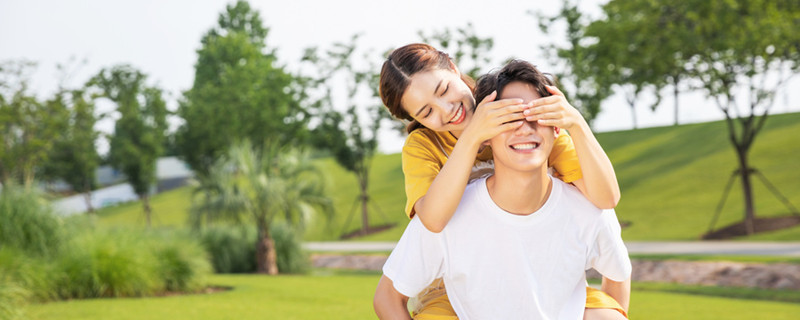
{"x": 520, "y": 241}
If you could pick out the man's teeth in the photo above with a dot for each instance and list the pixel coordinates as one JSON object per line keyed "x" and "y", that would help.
{"x": 525, "y": 146}
{"x": 458, "y": 114}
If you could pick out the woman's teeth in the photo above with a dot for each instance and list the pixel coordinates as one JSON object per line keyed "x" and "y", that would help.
{"x": 457, "y": 115}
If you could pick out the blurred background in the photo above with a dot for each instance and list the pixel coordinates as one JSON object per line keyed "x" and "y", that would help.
{"x": 181, "y": 151}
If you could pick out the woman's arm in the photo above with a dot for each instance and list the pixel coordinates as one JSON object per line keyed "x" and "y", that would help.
{"x": 437, "y": 206}
{"x": 620, "y": 291}
{"x": 388, "y": 303}
{"x": 598, "y": 182}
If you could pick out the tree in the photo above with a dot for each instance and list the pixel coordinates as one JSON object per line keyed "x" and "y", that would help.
{"x": 260, "y": 185}
{"x": 580, "y": 78}
{"x": 744, "y": 46}
{"x": 74, "y": 156}
{"x": 348, "y": 125}
{"x": 629, "y": 42}
{"x": 27, "y": 125}
{"x": 740, "y": 52}
{"x": 469, "y": 51}
{"x": 239, "y": 92}
{"x": 139, "y": 133}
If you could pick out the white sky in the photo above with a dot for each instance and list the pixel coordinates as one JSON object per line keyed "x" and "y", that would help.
{"x": 160, "y": 38}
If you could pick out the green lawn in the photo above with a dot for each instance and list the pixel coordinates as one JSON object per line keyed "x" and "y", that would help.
{"x": 350, "y": 297}
{"x": 671, "y": 178}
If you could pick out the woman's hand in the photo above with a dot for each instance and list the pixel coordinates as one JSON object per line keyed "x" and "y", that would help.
{"x": 494, "y": 117}
{"x": 554, "y": 111}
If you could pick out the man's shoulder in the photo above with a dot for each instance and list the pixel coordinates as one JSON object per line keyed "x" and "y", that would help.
{"x": 574, "y": 199}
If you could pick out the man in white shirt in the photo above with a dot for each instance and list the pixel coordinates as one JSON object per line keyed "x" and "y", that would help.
{"x": 519, "y": 243}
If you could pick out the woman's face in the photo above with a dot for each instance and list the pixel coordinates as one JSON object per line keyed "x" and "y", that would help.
{"x": 439, "y": 100}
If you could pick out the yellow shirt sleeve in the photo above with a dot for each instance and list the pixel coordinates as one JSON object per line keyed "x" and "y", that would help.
{"x": 421, "y": 163}
{"x": 564, "y": 159}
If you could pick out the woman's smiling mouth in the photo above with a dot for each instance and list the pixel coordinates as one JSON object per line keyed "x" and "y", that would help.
{"x": 459, "y": 116}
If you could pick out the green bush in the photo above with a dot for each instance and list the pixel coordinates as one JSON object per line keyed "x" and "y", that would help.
{"x": 13, "y": 294}
{"x": 30, "y": 274}
{"x": 123, "y": 263}
{"x": 27, "y": 222}
{"x": 183, "y": 263}
{"x": 291, "y": 258}
{"x": 233, "y": 249}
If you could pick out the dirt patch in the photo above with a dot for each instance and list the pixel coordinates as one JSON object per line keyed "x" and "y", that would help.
{"x": 760, "y": 225}
{"x": 371, "y": 230}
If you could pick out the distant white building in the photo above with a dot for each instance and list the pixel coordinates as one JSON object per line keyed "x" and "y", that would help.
{"x": 171, "y": 173}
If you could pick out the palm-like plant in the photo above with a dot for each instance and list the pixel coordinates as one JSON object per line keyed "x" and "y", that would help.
{"x": 260, "y": 185}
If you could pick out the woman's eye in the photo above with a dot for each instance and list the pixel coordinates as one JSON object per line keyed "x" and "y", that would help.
{"x": 429, "y": 113}
{"x": 446, "y": 88}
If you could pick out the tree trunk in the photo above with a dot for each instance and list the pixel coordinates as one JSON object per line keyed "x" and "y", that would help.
{"x": 633, "y": 114}
{"x": 747, "y": 188}
{"x": 675, "y": 94}
{"x": 266, "y": 257}
{"x": 146, "y": 204}
{"x": 87, "y": 196}
{"x": 364, "y": 200}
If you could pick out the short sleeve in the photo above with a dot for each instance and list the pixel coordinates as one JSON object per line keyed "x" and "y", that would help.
{"x": 564, "y": 159}
{"x": 416, "y": 261}
{"x": 420, "y": 167}
{"x": 610, "y": 256}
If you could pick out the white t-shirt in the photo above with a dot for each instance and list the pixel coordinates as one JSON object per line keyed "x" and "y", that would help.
{"x": 497, "y": 265}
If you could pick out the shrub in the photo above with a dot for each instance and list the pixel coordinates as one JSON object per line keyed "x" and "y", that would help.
{"x": 233, "y": 249}
{"x": 27, "y": 222}
{"x": 107, "y": 264}
{"x": 183, "y": 264}
{"x": 123, "y": 263}
{"x": 291, "y": 258}
{"x": 32, "y": 275}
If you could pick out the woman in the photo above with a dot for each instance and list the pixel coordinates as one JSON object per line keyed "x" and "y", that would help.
{"x": 446, "y": 133}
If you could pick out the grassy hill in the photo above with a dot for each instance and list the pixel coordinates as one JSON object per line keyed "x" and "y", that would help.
{"x": 672, "y": 179}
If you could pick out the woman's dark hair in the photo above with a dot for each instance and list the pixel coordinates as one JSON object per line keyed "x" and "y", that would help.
{"x": 516, "y": 70}
{"x": 396, "y": 74}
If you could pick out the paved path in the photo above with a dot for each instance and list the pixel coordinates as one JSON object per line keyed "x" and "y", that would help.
{"x": 787, "y": 249}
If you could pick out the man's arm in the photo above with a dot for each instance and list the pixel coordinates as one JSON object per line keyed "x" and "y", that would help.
{"x": 388, "y": 302}
{"x": 620, "y": 291}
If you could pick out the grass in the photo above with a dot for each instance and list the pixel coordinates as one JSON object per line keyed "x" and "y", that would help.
{"x": 712, "y": 257}
{"x": 671, "y": 178}
{"x": 333, "y": 295}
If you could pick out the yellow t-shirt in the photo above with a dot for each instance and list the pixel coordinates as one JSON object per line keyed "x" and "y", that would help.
{"x": 426, "y": 151}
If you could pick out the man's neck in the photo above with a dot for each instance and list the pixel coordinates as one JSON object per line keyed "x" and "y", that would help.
{"x": 519, "y": 192}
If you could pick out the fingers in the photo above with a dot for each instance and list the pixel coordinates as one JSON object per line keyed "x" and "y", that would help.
{"x": 542, "y": 109}
{"x": 546, "y": 101}
{"x": 550, "y": 118}
{"x": 554, "y": 90}
{"x": 489, "y": 98}
{"x": 514, "y": 116}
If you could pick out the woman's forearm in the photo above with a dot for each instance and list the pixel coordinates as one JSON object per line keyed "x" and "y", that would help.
{"x": 620, "y": 291}
{"x": 437, "y": 206}
{"x": 599, "y": 184}
{"x": 388, "y": 303}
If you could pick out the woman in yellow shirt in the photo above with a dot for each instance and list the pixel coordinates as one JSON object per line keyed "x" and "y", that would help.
{"x": 445, "y": 147}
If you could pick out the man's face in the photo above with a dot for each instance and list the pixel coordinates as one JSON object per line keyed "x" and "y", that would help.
{"x": 527, "y": 147}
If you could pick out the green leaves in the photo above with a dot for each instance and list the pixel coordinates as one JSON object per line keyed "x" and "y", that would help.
{"x": 239, "y": 92}
{"x": 140, "y": 132}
